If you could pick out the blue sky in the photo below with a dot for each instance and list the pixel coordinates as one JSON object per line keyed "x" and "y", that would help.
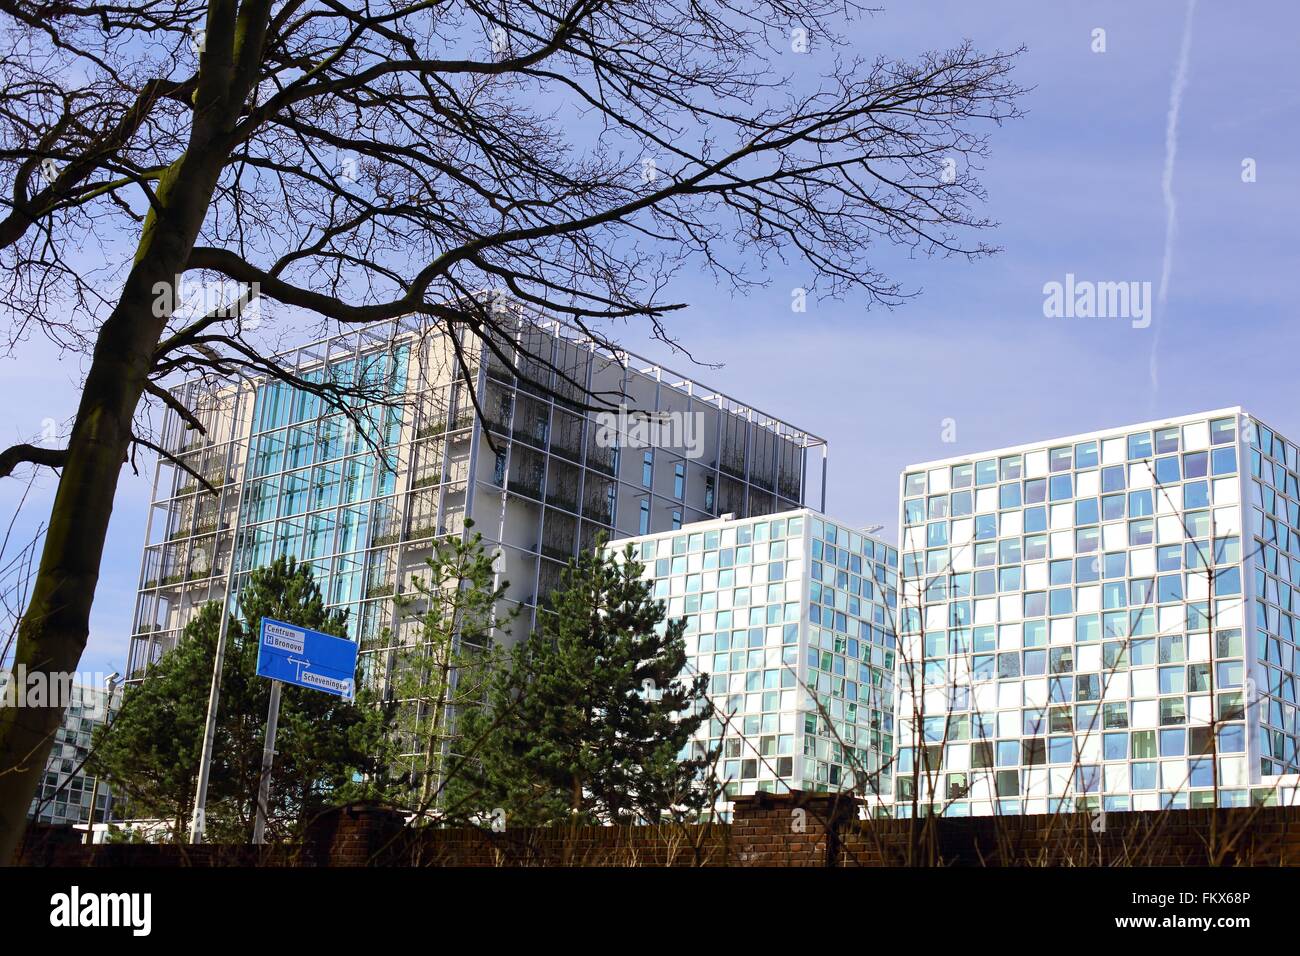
{"x": 1077, "y": 188}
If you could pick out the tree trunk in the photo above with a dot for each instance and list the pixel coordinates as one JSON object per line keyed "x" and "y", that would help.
{"x": 53, "y": 631}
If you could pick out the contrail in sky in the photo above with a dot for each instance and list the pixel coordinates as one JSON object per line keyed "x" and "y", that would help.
{"x": 1167, "y": 187}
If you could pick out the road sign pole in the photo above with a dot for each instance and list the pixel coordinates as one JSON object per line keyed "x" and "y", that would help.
{"x": 210, "y": 724}
{"x": 268, "y": 758}
{"x": 199, "y": 820}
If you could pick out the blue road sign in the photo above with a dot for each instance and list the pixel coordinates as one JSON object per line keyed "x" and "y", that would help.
{"x": 307, "y": 658}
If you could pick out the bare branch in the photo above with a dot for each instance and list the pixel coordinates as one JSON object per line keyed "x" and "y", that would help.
{"x": 16, "y": 455}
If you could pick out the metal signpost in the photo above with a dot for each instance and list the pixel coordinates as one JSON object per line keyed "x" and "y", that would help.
{"x": 289, "y": 654}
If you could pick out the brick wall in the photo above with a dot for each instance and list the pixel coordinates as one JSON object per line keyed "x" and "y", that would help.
{"x": 797, "y": 829}
{"x": 788, "y": 830}
{"x": 1232, "y": 837}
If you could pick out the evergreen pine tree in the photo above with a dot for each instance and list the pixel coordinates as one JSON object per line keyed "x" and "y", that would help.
{"x": 592, "y": 721}
{"x": 326, "y": 747}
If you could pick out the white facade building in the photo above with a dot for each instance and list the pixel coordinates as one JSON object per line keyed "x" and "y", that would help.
{"x": 791, "y": 616}
{"x": 1105, "y": 621}
{"x": 66, "y": 789}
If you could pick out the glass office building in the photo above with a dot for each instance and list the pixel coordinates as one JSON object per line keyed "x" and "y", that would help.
{"x": 791, "y": 616}
{"x": 1102, "y": 622}
{"x": 455, "y": 431}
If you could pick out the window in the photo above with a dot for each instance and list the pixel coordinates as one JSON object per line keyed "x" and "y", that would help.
{"x": 1222, "y": 431}
{"x": 1085, "y": 455}
{"x": 1144, "y": 776}
{"x": 1139, "y": 446}
{"x": 677, "y": 520}
{"x": 679, "y": 480}
{"x": 647, "y": 468}
{"x": 645, "y": 516}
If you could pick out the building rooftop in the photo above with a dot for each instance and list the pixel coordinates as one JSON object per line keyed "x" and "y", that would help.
{"x": 377, "y": 334}
{"x": 1081, "y": 436}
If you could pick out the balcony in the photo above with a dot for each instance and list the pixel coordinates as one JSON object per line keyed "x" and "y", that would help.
{"x": 557, "y": 499}
{"x": 431, "y": 429}
{"x": 735, "y": 467}
{"x": 193, "y": 442}
{"x": 603, "y": 465}
{"x": 207, "y": 527}
{"x": 527, "y": 487}
{"x": 556, "y": 553}
{"x": 216, "y": 481}
{"x": 172, "y": 580}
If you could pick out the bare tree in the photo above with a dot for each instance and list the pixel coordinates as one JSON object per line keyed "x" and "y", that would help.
{"x": 357, "y": 163}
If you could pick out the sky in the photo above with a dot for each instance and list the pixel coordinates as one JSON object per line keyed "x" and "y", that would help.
{"x": 1127, "y": 167}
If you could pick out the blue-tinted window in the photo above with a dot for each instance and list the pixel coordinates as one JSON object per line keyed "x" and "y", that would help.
{"x": 1166, "y": 441}
{"x": 1222, "y": 431}
{"x": 1232, "y": 739}
{"x": 1035, "y": 491}
{"x": 1140, "y": 504}
{"x": 1144, "y": 776}
{"x": 1225, "y": 460}
{"x": 1139, "y": 446}
{"x": 1035, "y": 519}
{"x": 1115, "y": 746}
{"x": 1173, "y": 743}
{"x": 1009, "y": 496}
{"x": 1167, "y": 470}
